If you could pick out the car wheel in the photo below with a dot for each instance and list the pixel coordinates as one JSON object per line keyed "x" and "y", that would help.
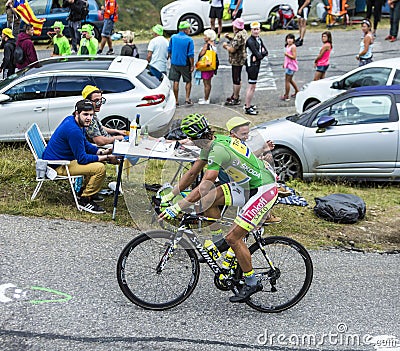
{"x": 287, "y": 164}
{"x": 116, "y": 122}
{"x": 196, "y": 25}
{"x": 310, "y": 104}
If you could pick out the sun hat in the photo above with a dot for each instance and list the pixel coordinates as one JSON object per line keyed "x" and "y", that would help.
{"x": 158, "y": 29}
{"x": 86, "y": 28}
{"x": 255, "y": 24}
{"x": 238, "y": 23}
{"x": 184, "y": 25}
{"x": 84, "y": 105}
{"x": 58, "y": 24}
{"x": 89, "y": 89}
{"x": 236, "y": 122}
{"x": 8, "y": 32}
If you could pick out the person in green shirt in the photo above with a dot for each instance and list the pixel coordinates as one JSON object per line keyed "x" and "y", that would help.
{"x": 60, "y": 41}
{"x": 251, "y": 186}
{"x": 89, "y": 44}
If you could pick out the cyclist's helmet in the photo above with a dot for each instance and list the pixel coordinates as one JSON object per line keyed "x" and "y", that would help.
{"x": 195, "y": 126}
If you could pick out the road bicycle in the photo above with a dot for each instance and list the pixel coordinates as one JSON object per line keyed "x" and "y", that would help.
{"x": 159, "y": 269}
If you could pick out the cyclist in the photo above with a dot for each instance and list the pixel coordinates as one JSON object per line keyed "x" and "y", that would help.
{"x": 251, "y": 186}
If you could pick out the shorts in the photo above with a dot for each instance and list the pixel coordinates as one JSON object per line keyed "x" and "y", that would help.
{"x": 238, "y": 14}
{"x": 304, "y": 13}
{"x": 256, "y": 203}
{"x": 108, "y": 28}
{"x": 176, "y": 72}
{"x": 363, "y": 62}
{"x": 322, "y": 69}
{"x": 207, "y": 75}
{"x": 236, "y": 74}
{"x": 289, "y": 72}
{"x": 216, "y": 12}
{"x": 252, "y": 73}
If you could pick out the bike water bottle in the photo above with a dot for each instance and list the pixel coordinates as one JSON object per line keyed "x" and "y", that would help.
{"x": 212, "y": 249}
{"x": 229, "y": 260}
{"x": 138, "y": 130}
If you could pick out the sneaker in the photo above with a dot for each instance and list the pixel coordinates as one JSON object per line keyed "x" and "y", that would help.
{"x": 229, "y": 99}
{"x": 254, "y": 107}
{"x": 232, "y": 102}
{"x": 97, "y": 198}
{"x": 392, "y": 39}
{"x": 99, "y": 52}
{"x": 285, "y": 98}
{"x": 244, "y": 293}
{"x": 204, "y": 102}
{"x": 110, "y": 52}
{"x": 73, "y": 52}
{"x": 87, "y": 205}
{"x": 250, "y": 111}
{"x": 298, "y": 42}
{"x": 388, "y": 37}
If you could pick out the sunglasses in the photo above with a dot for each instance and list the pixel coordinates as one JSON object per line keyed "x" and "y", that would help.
{"x": 99, "y": 102}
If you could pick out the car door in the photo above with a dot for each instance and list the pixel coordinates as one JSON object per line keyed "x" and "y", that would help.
{"x": 65, "y": 92}
{"x": 364, "y": 140}
{"x": 28, "y": 104}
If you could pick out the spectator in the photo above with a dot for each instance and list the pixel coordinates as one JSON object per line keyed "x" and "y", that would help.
{"x": 88, "y": 44}
{"x": 216, "y": 11}
{"x": 291, "y": 67}
{"x": 321, "y": 63}
{"x": 377, "y": 5}
{"x": 157, "y": 50}
{"x": 236, "y": 48}
{"x": 236, "y": 8}
{"x": 96, "y": 132}
{"x": 75, "y": 17}
{"x": 367, "y": 42}
{"x": 25, "y": 42}
{"x": 302, "y": 14}
{"x": 8, "y": 44}
{"x": 13, "y": 19}
{"x": 110, "y": 18}
{"x": 209, "y": 37}
{"x": 256, "y": 51}
{"x": 60, "y": 41}
{"x": 129, "y": 49}
{"x": 68, "y": 142}
{"x": 394, "y": 20}
{"x": 181, "y": 52}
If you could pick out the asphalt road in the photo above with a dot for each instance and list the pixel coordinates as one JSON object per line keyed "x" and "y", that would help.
{"x": 353, "y": 299}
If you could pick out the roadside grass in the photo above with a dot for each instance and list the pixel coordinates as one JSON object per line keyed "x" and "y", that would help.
{"x": 378, "y": 231}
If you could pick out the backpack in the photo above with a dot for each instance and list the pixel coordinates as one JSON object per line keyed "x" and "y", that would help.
{"x": 272, "y": 22}
{"x": 19, "y": 55}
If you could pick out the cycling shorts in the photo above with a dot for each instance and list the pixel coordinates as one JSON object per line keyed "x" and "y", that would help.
{"x": 256, "y": 203}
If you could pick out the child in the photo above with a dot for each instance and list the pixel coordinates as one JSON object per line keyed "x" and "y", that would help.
{"x": 290, "y": 65}
{"x": 367, "y": 42}
{"x": 321, "y": 63}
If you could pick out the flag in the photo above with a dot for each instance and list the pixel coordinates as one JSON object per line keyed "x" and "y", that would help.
{"x": 25, "y": 11}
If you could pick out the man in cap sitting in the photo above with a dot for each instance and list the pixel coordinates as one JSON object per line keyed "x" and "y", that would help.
{"x": 60, "y": 41}
{"x": 181, "y": 52}
{"x": 96, "y": 132}
{"x": 89, "y": 44}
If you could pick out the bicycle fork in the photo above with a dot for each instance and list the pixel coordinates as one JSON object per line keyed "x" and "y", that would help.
{"x": 169, "y": 251}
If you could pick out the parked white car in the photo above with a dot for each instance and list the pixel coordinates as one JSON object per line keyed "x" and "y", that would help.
{"x": 196, "y": 13}
{"x": 47, "y": 91}
{"x": 383, "y": 72}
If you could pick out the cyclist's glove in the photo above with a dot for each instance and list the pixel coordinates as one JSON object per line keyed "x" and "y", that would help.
{"x": 171, "y": 212}
{"x": 167, "y": 197}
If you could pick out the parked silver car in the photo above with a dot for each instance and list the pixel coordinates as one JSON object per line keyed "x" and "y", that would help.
{"x": 46, "y": 92}
{"x": 354, "y": 135}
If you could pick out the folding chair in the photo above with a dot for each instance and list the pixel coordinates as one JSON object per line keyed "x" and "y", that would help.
{"x": 37, "y": 144}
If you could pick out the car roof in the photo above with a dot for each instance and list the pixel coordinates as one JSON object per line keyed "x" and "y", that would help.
{"x": 390, "y": 62}
{"x": 389, "y": 88}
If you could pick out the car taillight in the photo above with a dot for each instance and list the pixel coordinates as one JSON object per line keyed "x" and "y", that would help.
{"x": 152, "y": 100}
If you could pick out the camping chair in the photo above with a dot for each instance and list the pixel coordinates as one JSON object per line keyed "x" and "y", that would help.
{"x": 37, "y": 144}
{"x": 337, "y": 12}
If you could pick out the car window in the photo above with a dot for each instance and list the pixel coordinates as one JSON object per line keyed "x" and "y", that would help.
{"x": 359, "y": 110}
{"x": 113, "y": 85}
{"x": 367, "y": 77}
{"x": 70, "y": 86}
{"x": 30, "y": 89}
{"x": 396, "y": 78}
{"x": 150, "y": 77}
{"x": 38, "y": 6}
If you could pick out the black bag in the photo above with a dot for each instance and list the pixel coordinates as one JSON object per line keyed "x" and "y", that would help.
{"x": 175, "y": 131}
{"x": 340, "y": 208}
{"x": 19, "y": 56}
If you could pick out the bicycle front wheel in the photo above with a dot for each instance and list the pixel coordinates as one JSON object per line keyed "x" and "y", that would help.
{"x": 151, "y": 288}
{"x": 286, "y": 284}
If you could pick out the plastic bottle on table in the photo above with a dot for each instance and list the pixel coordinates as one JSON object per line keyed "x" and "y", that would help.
{"x": 132, "y": 132}
{"x": 138, "y": 130}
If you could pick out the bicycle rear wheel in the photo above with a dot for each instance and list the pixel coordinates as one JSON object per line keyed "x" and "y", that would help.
{"x": 147, "y": 288}
{"x": 289, "y": 282}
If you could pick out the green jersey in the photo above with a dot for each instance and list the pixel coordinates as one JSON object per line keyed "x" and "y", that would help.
{"x": 237, "y": 161}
